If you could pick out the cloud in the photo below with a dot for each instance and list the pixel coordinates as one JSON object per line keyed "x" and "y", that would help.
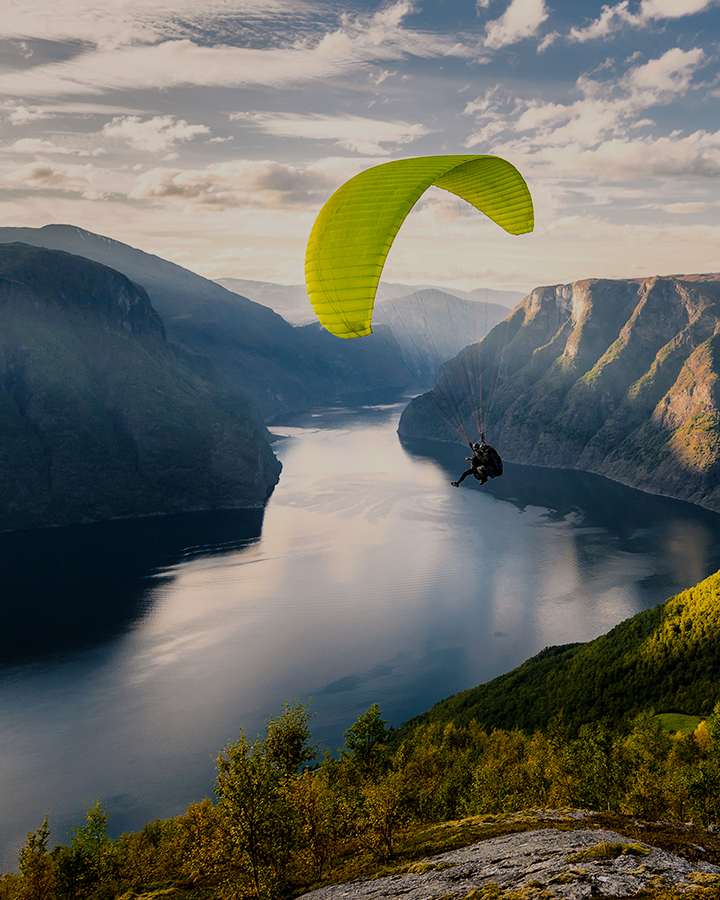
{"x": 154, "y": 135}
{"x": 605, "y": 133}
{"x": 521, "y": 20}
{"x": 358, "y": 42}
{"x": 614, "y": 18}
{"x": 107, "y": 25}
{"x": 696, "y": 155}
{"x": 608, "y": 109}
{"x": 673, "y": 9}
{"x": 361, "y": 135}
{"x": 263, "y": 184}
{"x": 22, "y": 115}
{"x": 660, "y": 80}
{"x": 37, "y": 145}
{"x": 684, "y": 209}
{"x": 70, "y": 179}
{"x": 549, "y": 39}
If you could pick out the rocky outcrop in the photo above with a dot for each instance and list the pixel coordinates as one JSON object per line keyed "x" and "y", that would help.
{"x": 100, "y": 418}
{"x": 570, "y": 860}
{"x": 614, "y": 377}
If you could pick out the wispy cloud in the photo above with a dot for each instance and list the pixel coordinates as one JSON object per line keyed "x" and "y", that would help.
{"x": 371, "y": 137}
{"x": 40, "y": 146}
{"x": 107, "y": 25}
{"x": 613, "y": 18}
{"x": 359, "y": 41}
{"x": 72, "y": 179}
{"x": 602, "y": 131}
{"x": 242, "y": 183}
{"x": 153, "y": 135}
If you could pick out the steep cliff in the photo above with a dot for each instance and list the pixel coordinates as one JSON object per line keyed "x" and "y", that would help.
{"x": 99, "y": 417}
{"x": 614, "y": 377}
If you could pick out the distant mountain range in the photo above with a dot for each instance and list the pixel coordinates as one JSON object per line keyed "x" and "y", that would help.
{"x": 429, "y": 325}
{"x": 432, "y": 326}
{"x": 254, "y": 350}
{"x": 291, "y": 300}
{"x": 100, "y": 417}
{"x": 621, "y": 378}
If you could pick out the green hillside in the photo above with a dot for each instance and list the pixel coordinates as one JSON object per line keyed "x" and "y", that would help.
{"x": 666, "y": 658}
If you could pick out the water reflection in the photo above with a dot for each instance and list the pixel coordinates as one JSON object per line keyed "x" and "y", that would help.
{"x": 66, "y": 589}
{"x": 686, "y": 536}
{"x": 372, "y": 581}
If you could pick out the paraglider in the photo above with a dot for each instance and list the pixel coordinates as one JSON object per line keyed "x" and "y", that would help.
{"x": 354, "y": 231}
{"x": 484, "y": 463}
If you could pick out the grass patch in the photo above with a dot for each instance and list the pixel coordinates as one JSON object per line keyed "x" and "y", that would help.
{"x": 535, "y": 890}
{"x": 610, "y": 850}
{"x": 675, "y": 722}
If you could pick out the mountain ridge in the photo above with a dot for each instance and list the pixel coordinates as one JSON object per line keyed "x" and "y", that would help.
{"x": 665, "y": 658}
{"x": 256, "y": 351}
{"x": 619, "y": 378}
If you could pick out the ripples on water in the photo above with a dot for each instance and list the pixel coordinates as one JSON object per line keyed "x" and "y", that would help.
{"x": 134, "y": 650}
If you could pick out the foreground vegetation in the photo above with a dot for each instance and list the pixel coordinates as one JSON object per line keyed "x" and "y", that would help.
{"x": 279, "y": 827}
{"x": 573, "y": 727}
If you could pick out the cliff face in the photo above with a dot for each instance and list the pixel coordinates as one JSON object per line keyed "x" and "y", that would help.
{"x": 99, "y": 417}
{"x": 614, "y": 377}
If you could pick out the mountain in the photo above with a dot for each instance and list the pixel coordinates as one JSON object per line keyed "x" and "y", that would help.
{"x": 100, "y": 418}
{"x": 288, "y": 300}
{"x": 291, "y": 300}
{"x": 614, "y": 377}
{"x": 665, "y": 659}
{"x": 255, "y": 351}
{"x": 432, "y": 326}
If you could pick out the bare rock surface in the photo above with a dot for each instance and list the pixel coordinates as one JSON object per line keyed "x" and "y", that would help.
{"x": 569, "y": 864}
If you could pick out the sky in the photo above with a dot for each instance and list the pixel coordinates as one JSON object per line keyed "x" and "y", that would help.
{"x": 210, "y": 132}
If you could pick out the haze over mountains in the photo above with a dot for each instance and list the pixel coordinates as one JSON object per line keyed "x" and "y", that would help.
{"x": 291, "y": 300}
{"x": 169, "y": 418}
{"x": 614, "y": 377}
{"x": 430, "y": 324}
{"x": 100, "y": 416}
{"x": 255, "y": 351}
{"x": 284, "y": 368}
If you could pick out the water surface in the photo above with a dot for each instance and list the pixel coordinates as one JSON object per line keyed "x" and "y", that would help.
{"x": 133, "y": 651}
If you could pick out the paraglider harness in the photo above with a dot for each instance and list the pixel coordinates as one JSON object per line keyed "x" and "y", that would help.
{"x": 486, "y": 457}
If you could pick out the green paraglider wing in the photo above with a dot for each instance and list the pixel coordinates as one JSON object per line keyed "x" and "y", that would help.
{"x": 354, "y": 231}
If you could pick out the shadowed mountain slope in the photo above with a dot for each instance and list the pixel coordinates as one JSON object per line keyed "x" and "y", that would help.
{"x": 99, "y": 416}
{"x": 614, "y": 377}
{"x": 255, "y": 350}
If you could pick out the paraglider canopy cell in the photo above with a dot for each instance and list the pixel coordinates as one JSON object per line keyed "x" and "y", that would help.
{"x": 355, "y": 229}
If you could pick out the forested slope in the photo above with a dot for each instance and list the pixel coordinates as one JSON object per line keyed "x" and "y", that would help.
{"x": 666, "y": 658}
